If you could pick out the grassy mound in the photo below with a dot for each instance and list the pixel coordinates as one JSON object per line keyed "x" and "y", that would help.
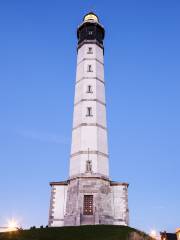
{"x": 97, "y": 232}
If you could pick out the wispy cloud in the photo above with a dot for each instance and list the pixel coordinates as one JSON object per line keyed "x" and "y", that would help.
{"x": 43, "y": 136}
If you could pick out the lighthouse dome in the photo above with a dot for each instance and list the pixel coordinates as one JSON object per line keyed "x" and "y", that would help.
{"x": 91, "y": 17}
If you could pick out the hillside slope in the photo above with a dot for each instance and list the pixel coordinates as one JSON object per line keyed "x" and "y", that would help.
{"x": 100, "y": 232}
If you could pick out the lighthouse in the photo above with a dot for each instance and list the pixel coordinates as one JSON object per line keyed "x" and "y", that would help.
{"x": 89, "y": 196}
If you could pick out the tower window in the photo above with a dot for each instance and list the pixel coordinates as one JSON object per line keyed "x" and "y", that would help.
{"x": 90, "y": 50}
{"x": 89, "y": 68}
{"x": 89, "y": 89}
{"x": 88, "y": 205}
{"x": 89, "y": 112}
{"x": 90, "y": 32}
{"x": 88, "y": 166}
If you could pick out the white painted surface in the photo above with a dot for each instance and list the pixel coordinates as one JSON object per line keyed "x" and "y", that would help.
{"x": 92, "y": 137}
{"x": 58, "y": 206}
{"x": 97, "y": 53}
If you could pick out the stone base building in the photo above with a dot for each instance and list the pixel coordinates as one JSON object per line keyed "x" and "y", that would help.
{"x": 89, "y": 197}
{"x": 88, "y": 200}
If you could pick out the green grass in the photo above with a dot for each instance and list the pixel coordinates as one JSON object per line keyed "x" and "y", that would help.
{"x": 97, "y": 232}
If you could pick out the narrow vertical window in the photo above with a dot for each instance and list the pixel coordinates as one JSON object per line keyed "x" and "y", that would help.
{"x": 89, "y": 112}
{"x": 90, "y": 50}
{"x": 90, "y": 32}
{"x": 88, "y": 205}
{"x": 89, "y": 69}
{"x": 88, "y": 166}
{"x": 89, "y": 89}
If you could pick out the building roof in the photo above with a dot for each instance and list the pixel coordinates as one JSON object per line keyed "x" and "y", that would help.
{"x": 168, "y": 236}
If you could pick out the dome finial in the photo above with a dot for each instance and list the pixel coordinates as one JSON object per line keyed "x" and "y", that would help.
{"x": 91, "y": 17}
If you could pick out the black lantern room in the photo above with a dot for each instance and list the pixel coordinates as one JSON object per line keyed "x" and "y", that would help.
{"x": 90, "y": 30}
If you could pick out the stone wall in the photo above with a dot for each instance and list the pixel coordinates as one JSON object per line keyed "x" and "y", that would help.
{"x": 120, "y": 203}
{"x": 109, "y": 202}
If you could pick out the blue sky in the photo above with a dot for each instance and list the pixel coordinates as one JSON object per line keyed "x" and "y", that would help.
{"x": 37, "y": 76}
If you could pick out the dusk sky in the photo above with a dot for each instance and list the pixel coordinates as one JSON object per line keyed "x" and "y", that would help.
{"x": 37, "y": 78}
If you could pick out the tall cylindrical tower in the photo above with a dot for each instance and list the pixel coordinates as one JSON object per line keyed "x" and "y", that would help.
{"x": 89, "y": 196}
{"x": 89, "y": 149}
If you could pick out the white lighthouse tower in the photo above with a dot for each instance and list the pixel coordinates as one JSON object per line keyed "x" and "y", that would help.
{"x": 89, "y": 196}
